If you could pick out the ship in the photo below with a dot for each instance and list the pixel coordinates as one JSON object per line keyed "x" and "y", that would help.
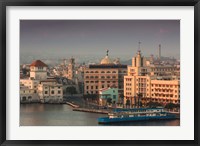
{"x": 136, "y": 114}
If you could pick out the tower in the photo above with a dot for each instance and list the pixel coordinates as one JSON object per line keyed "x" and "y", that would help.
{"x": 38, "y": 70}
{"x": 159, "y": 51}
{"x": 71, "y": 69}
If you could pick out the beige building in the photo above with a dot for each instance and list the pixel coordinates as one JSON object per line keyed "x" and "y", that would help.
{"x": 50, "y": 91}
{"x": 155, "y": 83}
{"x": 104, "y": 75}
{"x": 28, "y": 95}
{"x": 39, "y": 87}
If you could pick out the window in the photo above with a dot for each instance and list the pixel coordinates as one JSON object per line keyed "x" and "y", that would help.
{"x": 87, "y": 87}
{"x": 114, "y": 96}
{"x": 96, "y": 87}
{"x": 113, "y": 91}
{"x": 46, "y": 92}
{"x": 59, "y": 92}
{"x": 52, "y": 92}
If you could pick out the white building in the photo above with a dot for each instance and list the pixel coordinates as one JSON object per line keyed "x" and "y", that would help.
{"x": 38, "y": 70}
{"x": 39, "y": 87}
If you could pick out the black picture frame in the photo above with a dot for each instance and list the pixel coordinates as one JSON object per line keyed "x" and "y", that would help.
{"x": 5, "y": 3}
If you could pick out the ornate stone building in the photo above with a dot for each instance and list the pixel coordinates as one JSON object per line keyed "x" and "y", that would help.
{"x": 104, "y": 75}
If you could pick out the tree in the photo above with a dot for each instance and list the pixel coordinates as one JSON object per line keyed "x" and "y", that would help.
{"x": 71, "y": 90}
{"x": 170, "y": 106}
{"x": 128, "y": 102}
{"x": 109, "y": 100}
{"x": 152, "y": 104}
{"x": 121, "y": 96}
{"x": 91, "y": 97}
{"x": 139, "y": 95}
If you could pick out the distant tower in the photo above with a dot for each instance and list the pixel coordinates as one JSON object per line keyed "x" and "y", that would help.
{"x": 71, "y": 69}
{"x": 159, "y": 52}
{"x": 139, "y": 43}
{"x": 138, "y": 60}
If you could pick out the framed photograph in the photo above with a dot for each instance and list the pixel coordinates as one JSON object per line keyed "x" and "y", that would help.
{"x": 99, "y": 72}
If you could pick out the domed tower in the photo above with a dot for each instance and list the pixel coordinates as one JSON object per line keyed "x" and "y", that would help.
{"x": 106, "y": 60}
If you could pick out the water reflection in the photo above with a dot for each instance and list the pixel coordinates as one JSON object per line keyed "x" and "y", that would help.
{"x": 62, "y": 115}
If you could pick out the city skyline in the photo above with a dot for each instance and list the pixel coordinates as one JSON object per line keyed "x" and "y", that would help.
{"x": 92, "y": 37}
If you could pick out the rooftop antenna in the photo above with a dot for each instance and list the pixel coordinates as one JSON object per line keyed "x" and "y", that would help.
{"x": 139, "y": 43}
{"x": 107, "y": 52}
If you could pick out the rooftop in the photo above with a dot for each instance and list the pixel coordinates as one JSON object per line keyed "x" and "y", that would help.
{"x": 38, "y": 63}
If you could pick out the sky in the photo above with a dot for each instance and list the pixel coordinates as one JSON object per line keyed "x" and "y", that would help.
{"x": 94, "y": 37}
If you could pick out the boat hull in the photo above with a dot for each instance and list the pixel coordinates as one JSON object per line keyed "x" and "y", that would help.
{"x": 105, "y": 120}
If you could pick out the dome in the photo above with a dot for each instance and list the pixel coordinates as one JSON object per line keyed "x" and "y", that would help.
{"x": 106, "y": 60}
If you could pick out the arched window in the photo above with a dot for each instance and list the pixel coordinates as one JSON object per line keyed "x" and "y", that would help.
{"x": 108, "y": 72}
{"x": 102, "y": 71}
{"x": 102, "y": 77}
{"x": 91, "y": 72}
{"x": 114, "y": 72}
{"x": 24, "y": 98}
{"x": 96, "y": 72}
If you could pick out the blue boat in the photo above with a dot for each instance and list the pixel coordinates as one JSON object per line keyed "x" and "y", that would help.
{"x": 136, "y": 114}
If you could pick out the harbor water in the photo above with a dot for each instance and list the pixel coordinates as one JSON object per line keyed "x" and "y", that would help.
{"x": 63, "y": 115}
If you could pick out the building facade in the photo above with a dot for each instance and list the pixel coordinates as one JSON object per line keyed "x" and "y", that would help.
{"x": 158, "y": 83}
{"x": 104, "y": 75}
{"x": 38, "y": 87}
{"x": 50, "y": 91}
{"x": 106, "y": 93}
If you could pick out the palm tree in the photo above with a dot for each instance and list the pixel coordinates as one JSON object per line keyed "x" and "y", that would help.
{"x": 128, "y": 102}
{"x": 109, "y": 100}
{"x": 139, "y": 95}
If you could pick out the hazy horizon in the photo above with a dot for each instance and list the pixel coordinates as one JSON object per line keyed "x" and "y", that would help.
{"x": 65, "y": 38}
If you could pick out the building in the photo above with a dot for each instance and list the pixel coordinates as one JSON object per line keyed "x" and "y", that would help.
{"x": 39, "y": 87}
{"x": 159, "y": 83}
{"x": 50, "y": 91}
{"x": 106, "y": 93}
{"x": 104, "y": 75}
{"x": 38, "y": 70}
{"x": 28, "y": 95}
{"x": 71, "y": 69}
